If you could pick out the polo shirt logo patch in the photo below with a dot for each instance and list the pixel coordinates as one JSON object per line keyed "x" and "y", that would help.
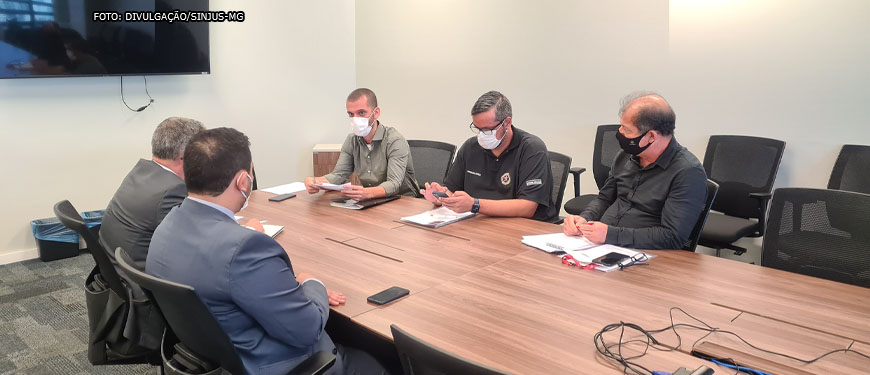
{"x": 474, "y": 173}
{"x": 536, "y": 181}
{"x": 506, "y": 179}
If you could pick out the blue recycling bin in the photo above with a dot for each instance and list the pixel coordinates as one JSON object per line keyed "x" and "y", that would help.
{"x": 53, "y": 240}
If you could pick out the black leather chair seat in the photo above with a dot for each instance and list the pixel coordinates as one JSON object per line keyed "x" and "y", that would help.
{"x": 727, "y": 229}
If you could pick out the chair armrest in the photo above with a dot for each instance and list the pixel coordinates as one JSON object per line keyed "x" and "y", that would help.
{"x": 317, "y": 364}
{"x": 762, "y": 198}
{"x": 576, "y": 171}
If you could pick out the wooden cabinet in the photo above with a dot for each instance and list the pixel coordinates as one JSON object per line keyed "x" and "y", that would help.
{"x": 325, "y": 156}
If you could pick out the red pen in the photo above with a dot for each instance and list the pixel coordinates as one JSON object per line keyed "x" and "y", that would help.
{"x": 586, "y": 223}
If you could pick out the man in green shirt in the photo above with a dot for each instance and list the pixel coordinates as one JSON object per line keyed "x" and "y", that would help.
{"x": 378, "y": 154}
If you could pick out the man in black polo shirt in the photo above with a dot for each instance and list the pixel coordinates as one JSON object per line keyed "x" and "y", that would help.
{"x": 656, "y": 188}
{"x": 503, "y": 171}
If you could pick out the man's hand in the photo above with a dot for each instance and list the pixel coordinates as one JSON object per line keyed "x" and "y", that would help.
{"x": 309, "y": 185}
{"x": 255, "y": 225}
{"x": 356, "y": 192}
{"x": 459, "y": 202}
{"x": 431, "y": 188}
{"x": 595, "y": 231}
{"x": 335, "y": 298}
{"x": 571, "y": 225}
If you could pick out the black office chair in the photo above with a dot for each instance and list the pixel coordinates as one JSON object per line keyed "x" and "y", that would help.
{"x": 692, "y": 243}
{"x": 431, "y": 160}
{"x": 745, "y": 168}
{"x": 204, "y": 348}
{"x": 418, "y": 357}
{"x": 604, "y": 151}
{"x": 821, "y": 233}
{"x": 852, "y": 170}
{"x": 106, "y": 298}
{"x": 560, "y": 164}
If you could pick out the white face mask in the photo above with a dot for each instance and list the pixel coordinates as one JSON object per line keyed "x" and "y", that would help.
{"x": 490, "y": 141}
{"x": 360, "y": 126}
{"x": 247, "y": 196}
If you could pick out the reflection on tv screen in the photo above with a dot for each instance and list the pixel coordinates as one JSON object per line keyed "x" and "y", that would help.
{"x": 99, "y": 37}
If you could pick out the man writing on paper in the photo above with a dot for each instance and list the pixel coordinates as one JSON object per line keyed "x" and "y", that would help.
{"x": 378, "y": 154}
{"x": 274, "y": 317}
{"x": 656, "y": 188}
{"x": 503, "y": 171}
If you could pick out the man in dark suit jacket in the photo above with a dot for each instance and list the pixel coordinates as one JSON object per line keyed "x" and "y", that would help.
{"x": 149, "y": 191}
{"x": 274, "y": 317}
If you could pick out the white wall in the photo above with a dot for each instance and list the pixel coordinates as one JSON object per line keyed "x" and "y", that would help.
{"x": 793, "y": 70}
{"x": 280, "y": 77}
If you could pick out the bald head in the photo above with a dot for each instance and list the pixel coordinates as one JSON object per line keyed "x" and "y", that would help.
{"x": 648, "y": 111}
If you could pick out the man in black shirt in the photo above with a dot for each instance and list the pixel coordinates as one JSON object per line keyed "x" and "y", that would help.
{"x": 656, "y": 188}
{"x": 503, "y": 171}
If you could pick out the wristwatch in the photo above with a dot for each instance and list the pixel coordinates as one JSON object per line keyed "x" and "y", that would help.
{"x": 476, "y": 206}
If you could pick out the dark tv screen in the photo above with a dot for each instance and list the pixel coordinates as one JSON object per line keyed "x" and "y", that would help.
{"x": 50, "y": 38}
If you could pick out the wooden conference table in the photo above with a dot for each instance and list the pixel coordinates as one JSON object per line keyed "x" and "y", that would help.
{"x": 478, "y": 292}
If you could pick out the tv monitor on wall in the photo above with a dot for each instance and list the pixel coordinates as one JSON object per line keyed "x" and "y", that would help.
{"x": 51, "y": 38}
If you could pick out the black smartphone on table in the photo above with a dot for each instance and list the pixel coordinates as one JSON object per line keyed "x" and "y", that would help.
{"x": 388, "y": 295}
{"x": 282, "y": 197}
{"x": 610, "y": 259}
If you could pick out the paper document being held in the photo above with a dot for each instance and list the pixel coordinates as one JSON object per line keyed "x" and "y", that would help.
{"x": 328, "y": 186}
{"x": 437, "y": 218}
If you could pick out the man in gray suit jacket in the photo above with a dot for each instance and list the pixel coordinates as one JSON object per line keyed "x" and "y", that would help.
{"x": 274, "y": 317}
{"x": 149, "y": 191}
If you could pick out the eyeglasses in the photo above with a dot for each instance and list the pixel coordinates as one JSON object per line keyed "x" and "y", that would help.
{"x": 477, "y": 130}
{"x": 634, "y": 260}
{"x": 569, "y": 260}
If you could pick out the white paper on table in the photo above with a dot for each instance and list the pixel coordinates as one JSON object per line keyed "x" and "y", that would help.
{"x": 557, "y": 242}
{"x": 438, "y": 217}
{"x": 272, "y": 230}
{"x": 293, "y": 187}
{"x": 588, "y": 255}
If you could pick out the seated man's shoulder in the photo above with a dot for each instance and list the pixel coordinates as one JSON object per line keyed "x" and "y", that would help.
{"x": 685, "y": 159}
{"x": 534, "y": 142}
{"x": 531, "y": 145}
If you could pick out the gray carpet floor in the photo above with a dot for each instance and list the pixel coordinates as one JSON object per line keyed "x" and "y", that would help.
{"x": 44, "y": 322}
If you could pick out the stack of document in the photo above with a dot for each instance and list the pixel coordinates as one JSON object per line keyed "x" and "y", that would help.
{"x": 557, "y": 242}
{"x": 580, "y": 248}
{"x": 272, "y": 230}
{"x": 437, "y": 218}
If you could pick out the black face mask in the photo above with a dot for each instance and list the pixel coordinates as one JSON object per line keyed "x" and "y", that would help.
{"x": 631, "y": 145}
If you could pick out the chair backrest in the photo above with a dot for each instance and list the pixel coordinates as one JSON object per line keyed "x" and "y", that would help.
{"x": 821, "y": 233}
{"x": 431, "y": 160}
{"x": 418, "y": 358}
{"x": 742, "y": 165}
{"x": 189, "y": 319}
{"x": 692, "y": 243}
{"x": 560, "y": 164}
{"x": 70, "y": 218}
{"x": 254, "y": 178}
{"x": 606, "y": 147}
{"x": 850, "y": 172}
